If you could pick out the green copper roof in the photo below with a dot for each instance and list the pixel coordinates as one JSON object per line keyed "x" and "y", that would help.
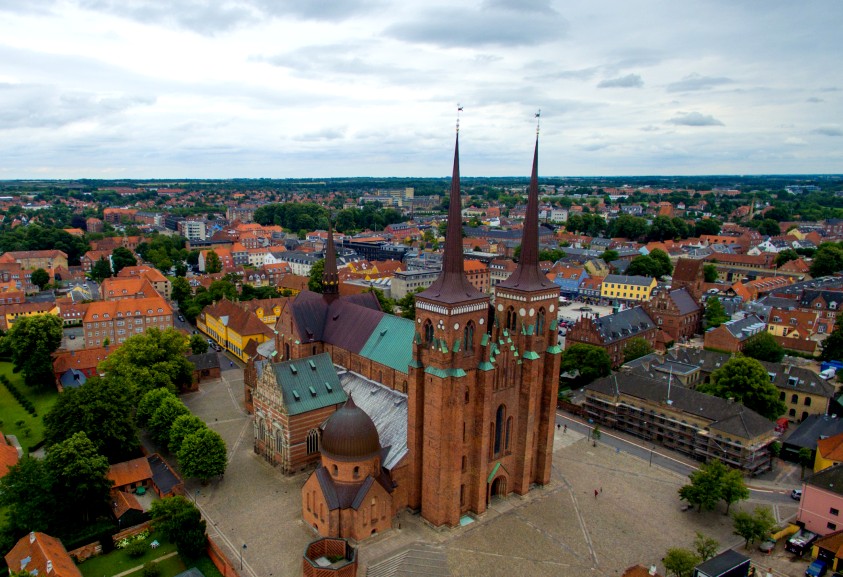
{"x": 308, "y": 384}
{"x": 486, "y": 366}
{"x": 553, "y": 324}
{"x": 444, "y": 373}
{"x": 531, "y": 355}
{"x": 457, "y": 344}
{"x": 554, "y": 350}
{"x": 484, "y": 340}
{"x": 391, "y": 342}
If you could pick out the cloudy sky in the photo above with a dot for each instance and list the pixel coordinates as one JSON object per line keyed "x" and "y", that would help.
{"x": 309, "y": 88}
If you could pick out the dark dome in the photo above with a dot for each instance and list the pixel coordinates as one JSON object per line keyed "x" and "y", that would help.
{"x": 350, "y": 432}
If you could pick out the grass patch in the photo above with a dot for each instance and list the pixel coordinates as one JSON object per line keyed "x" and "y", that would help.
{"x": 206, "y": 566}
{"x": 118, "y": 560}
{"x": 11, "y": 412}
{"x": 169, "y": 568}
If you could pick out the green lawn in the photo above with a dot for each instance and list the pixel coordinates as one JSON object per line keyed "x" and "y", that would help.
{"x": 11, "y": 411}
{"x": 169, "y": 568}
{"x": 118, "y": 560}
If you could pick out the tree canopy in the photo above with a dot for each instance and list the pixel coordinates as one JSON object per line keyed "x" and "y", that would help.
{"x": 32, "y": 341}
{"x": 591, "y": 362}
{"x": 636, "y": 348}
{"x": 181, "y": 522}
{"x": 715, "y": 314}
{"x": 121, "y": 257}
{"x": 710, "y": 272}
{"x": 763, "y": 347}
{"x": 746, "y": 380}
{"x": 101, "y": 269}
{"x": 832, "y": 347}
{"x": 827, "y": 260}
{"x": 213, "y": 264}
{"x": 753, "y": 526}
{"x": 711, "y": 483}
{"x": 314, "y": 281}
{"x": 680, "y": 562}
{"x": 78, "y": 474}
{"x": 40, "y": 278}
{"x": 203, "y": 455}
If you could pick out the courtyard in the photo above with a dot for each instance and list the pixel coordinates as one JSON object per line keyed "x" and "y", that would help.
{"x": 560, "y": 529}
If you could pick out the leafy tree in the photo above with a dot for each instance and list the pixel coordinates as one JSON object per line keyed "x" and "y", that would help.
{"x": 629, "y": 227}
{"x": 705, "y": 489}
{"x": 223, "y": 288}
{"x": 591, "y": 362}
{"x": 785, "y": 256}
{"x": 181, "y": 522}
{"x": 101, "y": 269}
{"x": 706, "y": 547}
{"x": 710, "y": 272}
{"x": 314, "y": 281}
{"x": 680, "y": 562}
{"x": 407, "y": 303}
{"x": 663, "y": 228}
{"x": 805, "y": 458}
{"x": 609, "y": 255}
{"x": 149, "y": 361}
{"x": 386, "y": 304}
{"x": 753, "y": 526}
{"x": 832, "y": 347}
{"x": 121, "y": 257}
{"x": 183, "y": 426}
{"x": 162, "y": 419}
{"x": 78, "y": 473}
{"x": 40, "y": 278}
{"x": 733, "y": 488}
{"x": 198, "y": 345}
{"x": 644, "y": 265}
{"x": 213, "y": 264}
{"x": 551, "y": 255}
{"x": 26, "y": 494}
{"x": 707, "y": 226}
{"x": 102, "y": 409}
{"x": 663, "y": 260}
{"x": 764, "y": 347}
{"x": 827, "y": 260}
{"x": 32, "y": 341}
{"x": 769, "y": 227}
{"x": 746, "y": 380}
{"x": 715, "y": 314}
{"x": 636, "y": 348}
{"x": 203, "y": 455}
{"x": 181, "y": 290}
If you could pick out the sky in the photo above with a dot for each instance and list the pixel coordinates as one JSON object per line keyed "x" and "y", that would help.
{"x": 331, "y": 88}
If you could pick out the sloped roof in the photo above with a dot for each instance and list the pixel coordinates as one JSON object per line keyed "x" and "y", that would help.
{"x": 722, "y": 563}
{"x": 830, "y": 479}
{"x": 8, "y": 455}
{"x": 206, "y": 361}
{"x": 308, "y": 384}
{"x": 629, "y": 280}
{"x": 391, "y": 342}
{"x": 33, "y": 552}
{"x": 129, "y": 472}
{"x": 623, "y": 324}
{"x": 831, "y": 448}
{"x": 812, "y": 428}
{"x": 122, "y": 502}
{"x": 237, "y": 319}
{"x": 684, "y": 301}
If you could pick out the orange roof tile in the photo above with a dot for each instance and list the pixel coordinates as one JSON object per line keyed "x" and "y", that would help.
{"x": 129, "y": 472}
{"x": 44, "y": 554}
{"x": 8, "y": 455}
{"x": 127, "y": 307}
{"x": 831, "y": 448}
{"x": 82, "y": 359}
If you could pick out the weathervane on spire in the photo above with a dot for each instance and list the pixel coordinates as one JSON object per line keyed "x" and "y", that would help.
{"x": 538, "y": 120}
{"x": 459, "y": 109}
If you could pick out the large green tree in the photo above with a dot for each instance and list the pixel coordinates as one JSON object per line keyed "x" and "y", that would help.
{"x": 407, "y": 304}
{"x": 663, "y": 260}
{"x": 680, "y": 562}
{"x": 149, "y": 403}
{"x": 746, "y": 380}
{"x": 591, "y": 362}
{"x": 715, "y": 314}
{"x": 198, "y": 345}
{"x": 32, "y": 341}
{"x": 151, "y": 360}
{"x": 162, "y": 419}
{"x": 101, "y": 269}
{"x": 705, "y": 489}
{"x": 101, "y": 408}
{"x": 314, "y": 281}
{"x": 40, "y": 278}
{"x": 754, "y": 526}
{"x": 636, "y": 348}
{"x": 733, "y": 488}
{"x": 203, "y": 455}
{"x": 710, "y": 272}
{"x": 121, "y": 257}
{"x": 26, "y": 494}
{"x": 827, "y": 260}
{"x": 181, "y": 290}
{"x": 213, "y": 264}
{"x": 832, "y": 347}
{"x": 183, "y": 426}
{"x": 79, "y": 477}
{"x": 764, "y": 347}
{"x": 181, "y": 522}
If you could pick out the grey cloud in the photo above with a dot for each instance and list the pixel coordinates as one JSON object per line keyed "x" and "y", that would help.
{"x": 549, "y": 74}
{"x": 346, "y": 59}
{"x": 494, "y": 26}
{"x": 828, "y": 131}
{"x": 324, "y": 134}
{"x": 36, "y": 106}
{"x": 209, "y": 18}
{"x": 814, "y": 100}
{"x": 542, "y": 6}
{"x": 628, "y": 81}
{"x": 694, "y": 82}
{"x": 27, "y": 6}
{"x": 695, "y": 119}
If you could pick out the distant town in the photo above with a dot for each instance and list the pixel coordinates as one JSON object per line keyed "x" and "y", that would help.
{"x": 418, "y": 353}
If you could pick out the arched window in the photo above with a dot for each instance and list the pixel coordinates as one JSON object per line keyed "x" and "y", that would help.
{"x": 499, "y": 420}
{"x": 279, "y": 439}
{"x": 312, "y": 441}
{"x": 286, "y": 351}
{"x": 356, "y": 472}
{"x": 794, "y": 398}
{"x": 262, "y": 430}
{"x": 807, "y": 401}
{"x": 508, "y": 433}
{"x": 540, "y": 322}
{"x": 510, "y": 318}
{"x": 468, "y": 338}
{"x": 428, "y": 331}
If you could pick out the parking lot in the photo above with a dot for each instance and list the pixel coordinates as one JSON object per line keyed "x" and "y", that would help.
{"x": 560, "y": 529}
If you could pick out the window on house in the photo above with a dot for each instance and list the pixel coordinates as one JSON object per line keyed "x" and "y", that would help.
{"x": 794, "y": 398}
{"x": 832, "y": 526}
{"x": 807, "y": 401}
{"x": 834, "y": 511}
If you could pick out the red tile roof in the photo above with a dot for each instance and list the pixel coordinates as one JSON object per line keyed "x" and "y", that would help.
{"x": 47, "y": 555}
{"x": 8, "y": 455}
{"x": 128, "y": 472}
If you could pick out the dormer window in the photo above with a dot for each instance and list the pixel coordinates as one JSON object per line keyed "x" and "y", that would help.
{"x": 777, "y": 319}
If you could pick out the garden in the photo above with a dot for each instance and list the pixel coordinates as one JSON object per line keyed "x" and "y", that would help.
{"x": 22, "y": 408}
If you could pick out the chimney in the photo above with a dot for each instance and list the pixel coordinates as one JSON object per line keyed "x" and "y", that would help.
{"x": 49, "y": 566}
{"x": 787, "y": 369}
{"x": 32, "y": 537}
{"x": 652, "y": 570}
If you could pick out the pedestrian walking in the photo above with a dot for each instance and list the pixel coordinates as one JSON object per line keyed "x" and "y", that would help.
{"x": 565, "y": 430}
{"x": 558, "y": 426}
{"x": 595, "y": 493}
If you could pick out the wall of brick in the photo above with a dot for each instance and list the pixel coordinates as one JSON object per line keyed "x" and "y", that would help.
{"x": 86, "y": 551}
{"x": 221, "y": 560}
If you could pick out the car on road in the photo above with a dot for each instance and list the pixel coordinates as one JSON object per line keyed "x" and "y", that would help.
{"x": 796, "y": 494}
{"x": 816, "y": 569}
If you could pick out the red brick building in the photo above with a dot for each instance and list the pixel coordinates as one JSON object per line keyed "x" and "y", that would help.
{"x": 613, "y": 332}
{"x": 732, "y": 336}
{"x": 677, "y": 315}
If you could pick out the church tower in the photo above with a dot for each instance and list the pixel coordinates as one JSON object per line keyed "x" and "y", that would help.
{"x": 330, "y": 275}
{"x": 481, "y": 397}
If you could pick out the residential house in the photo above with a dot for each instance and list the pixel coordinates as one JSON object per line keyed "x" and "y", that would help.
{"x": 42, "y": 555}
{"x": 92, "y": 257}
{"x": 118, "y": 320}
{"x": 478, "y": 275}
{"x": 10, "y": 313}
{"x": 9, "y": 455}
{"x": 267, "y": 310}
{"x": 33, "y": 259}
{"x": 801, "y": 389}
{"x": 822, "y": 501}
{"x": 732, "y": 336}
{"x": 569, "y": 279}
{"x": 829, "y": 452}
{"x": 794, "y": 328}
{"x": 115, "y": 288}
{"x": 84, "y": 361}
{"x": 232, "y": 326}
{"x": 591, "y": 287}
{"x": 677, "y": 314}
{"x": 627, "y": 288}
{"x": 158, "y": 281}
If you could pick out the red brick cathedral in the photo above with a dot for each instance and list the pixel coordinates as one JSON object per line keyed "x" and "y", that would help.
{"x": 483, "y": 381}
{"x": 448, "y": 411}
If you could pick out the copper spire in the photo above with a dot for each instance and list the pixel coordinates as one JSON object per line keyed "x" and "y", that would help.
{"x": 528, "y": 275}
{"x": 452, "y": 285}
{"x": 330, "y": 276}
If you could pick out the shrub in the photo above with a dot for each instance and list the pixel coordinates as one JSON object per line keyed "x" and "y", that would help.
{"x": 151, "y": 569}
{"x": 136, "y": 549}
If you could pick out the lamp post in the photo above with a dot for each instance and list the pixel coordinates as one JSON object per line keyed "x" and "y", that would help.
{"x": 241, "y": 556}
{"x": 652, "y": 448}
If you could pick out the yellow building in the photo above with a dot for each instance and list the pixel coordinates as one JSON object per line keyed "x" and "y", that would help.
{"x": 627, "y": 288}
{"x": 232, "y": 327}
{"x": 10, "y": 313}
{"x": 829, "y": 452}
{"x": 267, "y": 310}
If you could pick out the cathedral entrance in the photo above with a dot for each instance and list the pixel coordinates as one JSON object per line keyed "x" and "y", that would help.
{"x": 497, "y": 489}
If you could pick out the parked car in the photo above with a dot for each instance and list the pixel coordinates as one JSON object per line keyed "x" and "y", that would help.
{"x": 796, "y": 494}
{"x": 816, "y": 569}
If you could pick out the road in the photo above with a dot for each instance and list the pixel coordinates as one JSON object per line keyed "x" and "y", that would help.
{"x": 660, "y": 457}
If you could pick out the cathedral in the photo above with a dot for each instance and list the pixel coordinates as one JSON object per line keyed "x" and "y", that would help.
{"x": 438, "y": 415}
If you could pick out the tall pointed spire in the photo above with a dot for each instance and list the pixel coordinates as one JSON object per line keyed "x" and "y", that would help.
{"x": 452, "y": 285}
{"x": 330, "y": 276}
{"x": 528, "y": 275}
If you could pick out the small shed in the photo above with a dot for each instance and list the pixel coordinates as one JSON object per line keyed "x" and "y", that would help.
{"x": 728, "y": 564}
